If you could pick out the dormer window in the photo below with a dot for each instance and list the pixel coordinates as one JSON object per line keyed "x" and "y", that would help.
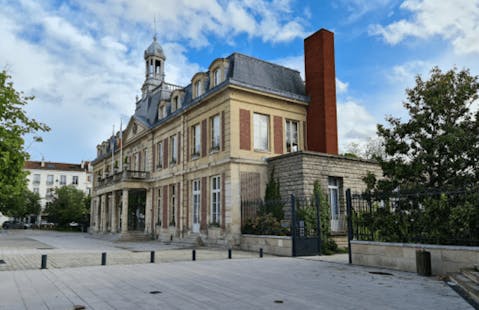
{"x": 162, "y": 111}
{"x": 198, "y": 88}
{"x": 216, "y": 77}
{"x": 175, "y": 103}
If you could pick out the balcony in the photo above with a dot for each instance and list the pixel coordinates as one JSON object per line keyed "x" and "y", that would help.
{"x": 122, "y": 176}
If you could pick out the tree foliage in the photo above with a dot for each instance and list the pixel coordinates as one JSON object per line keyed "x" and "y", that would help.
{"x": 272, "y": 198}
{"x": 68, "y": 205}
{"x": 14, "y": 124}
{"x": 438, "y": 146}
{"x": 23, "y": 204}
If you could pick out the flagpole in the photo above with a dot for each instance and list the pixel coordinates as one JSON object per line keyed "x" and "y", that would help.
{"x": 121, "y": 146}
{"x": 113, "y": 150}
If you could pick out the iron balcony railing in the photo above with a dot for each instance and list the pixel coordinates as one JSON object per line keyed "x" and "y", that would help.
{"x": 121, "y": 176}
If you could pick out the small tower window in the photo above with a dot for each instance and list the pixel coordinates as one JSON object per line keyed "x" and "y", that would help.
{"x": 157, "y": 67}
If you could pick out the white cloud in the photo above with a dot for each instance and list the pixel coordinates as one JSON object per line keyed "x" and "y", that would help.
{"x": 355, "y": 124}
{"x": 341, "y": 87}
{"x": 454, "y": 21}
{"x": 83, "y": 60}
{"x": 359, "y": 8}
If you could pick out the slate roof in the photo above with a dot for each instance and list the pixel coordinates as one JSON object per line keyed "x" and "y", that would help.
{"x": 244, "y": 71}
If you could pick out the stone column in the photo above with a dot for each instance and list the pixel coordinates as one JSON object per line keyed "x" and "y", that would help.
{"x": 124, "y": 211}
{"x": 148, "y": 212}
{"x": 114, "y": 219}
{"x": 93, "y": 219}
{"x": 103, "y": 213}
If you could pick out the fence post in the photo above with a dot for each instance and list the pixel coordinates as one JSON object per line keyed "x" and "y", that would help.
{"x": 152, "y": 256}
{"x": 229, "y": 253}
{"x": 317, "y": 202}
{"x": 193, "y": 255}
{"x": 293, "y": 225}
{"x": 350, "y": 222}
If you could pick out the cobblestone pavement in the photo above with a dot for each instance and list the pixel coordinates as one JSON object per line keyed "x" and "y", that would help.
{"x": 22, "y": 250}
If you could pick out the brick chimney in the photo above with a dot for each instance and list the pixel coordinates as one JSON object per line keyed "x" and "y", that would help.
{"x": 322, "y": 130}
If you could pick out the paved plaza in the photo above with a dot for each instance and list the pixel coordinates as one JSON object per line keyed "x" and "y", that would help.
{"x": 129, "y": 281}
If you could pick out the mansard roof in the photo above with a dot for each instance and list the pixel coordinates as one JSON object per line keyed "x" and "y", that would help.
{"x": 243, "y": 71}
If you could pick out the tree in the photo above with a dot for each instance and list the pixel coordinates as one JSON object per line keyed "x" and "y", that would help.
{"x": 23, "y": 204}
{"x": 14, "y": 124}
{"x": 272, "y": 198}
{"x": 68, "y": 205}
{"x": 438, "y": 147}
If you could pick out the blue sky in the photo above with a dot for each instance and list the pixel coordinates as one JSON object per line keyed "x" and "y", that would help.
{"x": 83, "y": 60}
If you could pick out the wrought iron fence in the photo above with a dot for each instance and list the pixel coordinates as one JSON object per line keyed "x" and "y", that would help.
{"x": 434, "y": 217}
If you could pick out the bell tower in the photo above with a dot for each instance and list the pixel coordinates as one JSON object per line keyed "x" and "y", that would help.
{"x": 154, "y": 67}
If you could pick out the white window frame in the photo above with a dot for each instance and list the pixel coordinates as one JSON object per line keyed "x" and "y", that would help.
{"x": 198, "y": 88}
{"x": 215, "y": 200}
{"x": 196, "y": 140}
{"x": 261, "y": 132}
{"x": 217, "y": 76}
{"x": 215, "y": 132}
{"x": 174, "y": 149}
{"x": 159, "y": 148}
{"x": 333, "y": 196}
{"x": 75, "y": 180}
{"x": 36, "y": 179}
{"x": 50, "y": 179}
{"x": 292, "y": 136}
{"x": 63, "y": 180}
{"x": 196, "y": 201}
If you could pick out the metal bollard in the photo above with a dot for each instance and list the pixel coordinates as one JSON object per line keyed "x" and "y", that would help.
{"x": 152, "y": 256}
{"x": 229, "y": 253}
{"x": 261, "y": 252}
{"x": 103, "y": 258}
{"x": 193, "y": 255}
{"x": 44, "y": 261}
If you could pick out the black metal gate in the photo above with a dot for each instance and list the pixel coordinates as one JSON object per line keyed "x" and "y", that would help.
{"x": 305, "y": 226}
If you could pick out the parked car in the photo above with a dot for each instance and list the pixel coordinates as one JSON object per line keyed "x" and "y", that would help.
{"x": 15, "y": 224}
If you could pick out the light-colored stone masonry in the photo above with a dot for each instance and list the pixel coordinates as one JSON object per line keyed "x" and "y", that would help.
{"x": 298, "y": 171}
{"x": 401, "y": 256}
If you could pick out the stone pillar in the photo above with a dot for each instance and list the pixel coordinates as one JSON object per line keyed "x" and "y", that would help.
{"x": 124, "y": 211}
{"x": 93, "y": 213}
{"x": 103, "y": 213}
{"x": 114, "y": 219}
{"x": 148, "y": 212}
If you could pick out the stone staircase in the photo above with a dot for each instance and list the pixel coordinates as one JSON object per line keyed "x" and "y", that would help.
{"x": 466, "y": 283}
{"x": 134, "y": 236}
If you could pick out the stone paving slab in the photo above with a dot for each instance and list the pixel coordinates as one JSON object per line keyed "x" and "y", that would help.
{"x": 268, "y": 283}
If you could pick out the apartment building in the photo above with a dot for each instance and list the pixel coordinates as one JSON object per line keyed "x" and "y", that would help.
{"x": 44, "y": 177}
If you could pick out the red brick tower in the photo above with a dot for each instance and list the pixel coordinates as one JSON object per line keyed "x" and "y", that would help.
{"x": 322, "y": 132}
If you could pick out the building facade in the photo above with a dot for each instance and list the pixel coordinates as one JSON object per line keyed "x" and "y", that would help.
{"x": 45, "y": 177}
{"x": 190, "y": 155}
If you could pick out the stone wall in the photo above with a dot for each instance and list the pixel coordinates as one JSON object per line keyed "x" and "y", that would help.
{"x": 298, "y": 171}
{"x": 276, "y": 245}
{"x": 400, "y": 256}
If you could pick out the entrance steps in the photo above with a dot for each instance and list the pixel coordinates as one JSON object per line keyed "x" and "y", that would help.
{"x": 466, "y": 283}
{"x": 134, "y": 236}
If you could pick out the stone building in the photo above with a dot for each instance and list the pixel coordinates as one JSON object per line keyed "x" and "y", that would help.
{"x": 189, "y": 155}
{"x": 44, "y": 177}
